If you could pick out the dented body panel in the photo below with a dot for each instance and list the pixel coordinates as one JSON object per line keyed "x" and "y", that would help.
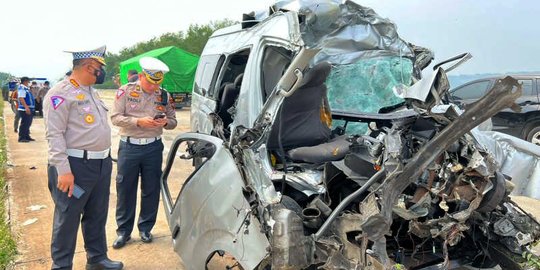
{"x": 219, "y": 216}
{"x": 418, "y": 188}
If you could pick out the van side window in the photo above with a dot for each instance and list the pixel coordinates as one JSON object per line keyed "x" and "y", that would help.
{"x": 275, "y": 62}
{"x": 205, "y": 73}
{"x": 472, "y": 91}
{"x": 527, "y": 87}
{"x": 226, "y": 92}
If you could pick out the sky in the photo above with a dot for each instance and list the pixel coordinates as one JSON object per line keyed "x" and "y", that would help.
{"x": 502, "y": 35}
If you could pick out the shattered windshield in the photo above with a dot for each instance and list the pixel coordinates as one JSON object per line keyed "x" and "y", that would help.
{"x": 367, "y": 86}
{"x": 369, "y": 59}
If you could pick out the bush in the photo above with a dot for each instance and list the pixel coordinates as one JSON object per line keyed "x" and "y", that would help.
{"x": 8, "y": 246}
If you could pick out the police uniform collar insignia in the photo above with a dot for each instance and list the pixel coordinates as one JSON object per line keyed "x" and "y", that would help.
{"x": 80, "y": 96}
{"x": 138, "y": 88}
{"x": 134, "y": 94}
{"x": 74, "y": 83}
{"x": 56, "y": 101}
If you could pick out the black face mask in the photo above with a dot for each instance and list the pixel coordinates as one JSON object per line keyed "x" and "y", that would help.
{"x": 100, "y": 75}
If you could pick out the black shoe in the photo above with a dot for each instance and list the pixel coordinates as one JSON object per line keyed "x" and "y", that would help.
{"x": 31, "y": 139}
{"x": 120, "y": 241}
{"x": 24, "y": 141}
{"x": 146, "y": 237}
{"x": 105, "y": 264}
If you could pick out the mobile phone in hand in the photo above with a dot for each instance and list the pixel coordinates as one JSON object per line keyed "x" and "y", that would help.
{"x": 77, "y": 191}
{"x": 159, "y": 116}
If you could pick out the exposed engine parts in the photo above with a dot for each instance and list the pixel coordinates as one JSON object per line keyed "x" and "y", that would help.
{"x": 417, "y": 192}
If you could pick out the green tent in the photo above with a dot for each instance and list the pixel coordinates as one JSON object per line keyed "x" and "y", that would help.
{"x": 182, "y": 66}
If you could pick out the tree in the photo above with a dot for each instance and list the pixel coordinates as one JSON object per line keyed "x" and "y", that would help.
{"x": 193, "y": 41}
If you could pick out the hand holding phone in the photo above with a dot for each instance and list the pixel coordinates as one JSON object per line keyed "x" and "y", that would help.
{"x": 159, "y": 116}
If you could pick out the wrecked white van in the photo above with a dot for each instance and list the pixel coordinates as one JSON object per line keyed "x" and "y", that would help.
{"x": 317, "y": 145}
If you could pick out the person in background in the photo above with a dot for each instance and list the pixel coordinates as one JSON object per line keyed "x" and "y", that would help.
{"x": 142, "y": 109}
{"x": 133, "y": 76}
{"x": 26, "y": 109}
{"x": 13, "y": 100}
{"x": 34, "y": 89}
{"x": 116, "y": 80}
{"x": 41, "y": 95}
{"x": 67, "y": 74}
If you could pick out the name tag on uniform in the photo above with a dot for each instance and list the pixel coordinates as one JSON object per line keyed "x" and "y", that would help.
{"x": 136, "y": 100}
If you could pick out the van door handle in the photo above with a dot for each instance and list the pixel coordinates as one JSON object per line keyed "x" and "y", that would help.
{"x": 175, "y": 231}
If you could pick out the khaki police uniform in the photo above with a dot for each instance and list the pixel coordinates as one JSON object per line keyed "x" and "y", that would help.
{"x": 37, "y": 92}
{"x": 132, "y": 102}
{"x": 34, "y": 89}
{"x": 76, "y": 119}
{"x": 79, "y": 138}
{"x": 42, "y": 92}
{"x": 140, "y": 152}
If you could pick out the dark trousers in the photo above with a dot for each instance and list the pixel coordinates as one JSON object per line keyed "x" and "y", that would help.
{"x": 134, "y": 160}
{"x": 17, "y": 120}
{"x": 39, "y": 109}
{"x": 90, "y": 210}
{"x": 26, "y": 122}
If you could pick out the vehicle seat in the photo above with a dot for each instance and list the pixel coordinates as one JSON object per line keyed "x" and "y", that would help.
{"x": 333, "y": 150}
{"x": 300, "y": 116}
{"x": 228, "y": 98}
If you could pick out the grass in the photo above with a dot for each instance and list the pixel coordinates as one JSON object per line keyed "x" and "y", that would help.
{"x": 8, "y": 246}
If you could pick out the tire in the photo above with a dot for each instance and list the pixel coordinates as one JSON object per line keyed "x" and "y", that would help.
{"x": 533, "y": 135}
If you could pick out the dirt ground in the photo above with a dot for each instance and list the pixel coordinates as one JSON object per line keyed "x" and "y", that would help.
{"x": 31, "y": 206}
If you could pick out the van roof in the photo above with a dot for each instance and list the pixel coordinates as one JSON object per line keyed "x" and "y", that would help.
{"x": 281, "y": 25}
{"x": 228, "y": 30}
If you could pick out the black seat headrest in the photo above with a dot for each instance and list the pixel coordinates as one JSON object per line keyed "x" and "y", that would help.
{"x": 316, "y": 75}
{"x": 238, "y": 80}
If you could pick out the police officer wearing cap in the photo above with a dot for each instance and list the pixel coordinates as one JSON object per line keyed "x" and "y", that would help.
{"x": 80, "y": 165}
{"x": 141, "y": 109}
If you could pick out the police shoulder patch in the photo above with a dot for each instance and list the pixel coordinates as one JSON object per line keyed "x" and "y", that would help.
{"x": 56, "y": 101}
{"x": 120, "y": 93}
